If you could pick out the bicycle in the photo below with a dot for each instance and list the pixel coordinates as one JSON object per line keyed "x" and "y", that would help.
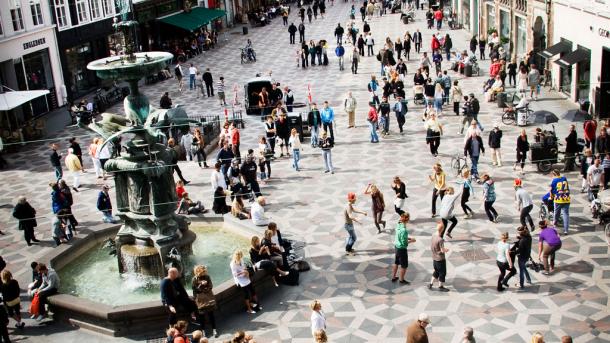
{"x": 509, "y": 117}
{"x": 459, "y": 163}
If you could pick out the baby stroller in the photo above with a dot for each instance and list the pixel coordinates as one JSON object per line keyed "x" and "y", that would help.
{"x": 600, "y": 208}
{"x": 418, "y": 95}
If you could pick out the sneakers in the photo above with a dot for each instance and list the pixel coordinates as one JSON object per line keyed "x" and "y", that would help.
{"x": 443, "y": 289}
{"x": 39, "y": 318}
{"x": 404, "y": 282}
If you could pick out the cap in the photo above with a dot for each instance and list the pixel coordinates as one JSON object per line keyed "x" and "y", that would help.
{"x": 351, "y": 196}
{"x": 424, "y": 318}
{"x": 517, "y": 183}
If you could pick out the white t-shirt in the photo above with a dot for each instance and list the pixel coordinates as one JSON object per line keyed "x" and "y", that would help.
{"x": 218, "y": 180}
{"x": 257, "y": 212}
{"x": 318, "y": 321}
{"x": 595, "y": 175}
{"x": 501, "y": 249}
{"x": 192, "y": 70}
{"x": 236, "y": 270}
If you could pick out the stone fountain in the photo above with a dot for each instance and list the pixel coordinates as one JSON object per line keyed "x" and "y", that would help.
{"x": 153, "y": 237}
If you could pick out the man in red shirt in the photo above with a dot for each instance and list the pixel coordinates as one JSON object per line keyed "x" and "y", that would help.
{"x": 494, "y": 68}
{"x": 438, "y": 17}
{"x": 590, "y": 127}
{"x": 372, "y": 120}
{"x": 435, "y": 43}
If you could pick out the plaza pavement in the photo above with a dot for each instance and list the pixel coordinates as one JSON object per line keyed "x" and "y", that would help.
{"x": 360, "y": 302}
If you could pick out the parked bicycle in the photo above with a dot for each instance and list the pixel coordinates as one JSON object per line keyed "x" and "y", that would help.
{"x": 513, "y": 115}
{"x": 247, "y": 55}
{"x": 459, "y": 163}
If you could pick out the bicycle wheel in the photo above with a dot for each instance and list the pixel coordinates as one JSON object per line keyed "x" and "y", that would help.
{"x": 455, "y": 164}
{"x": 607, "y": 233}
{"x": 544, "y": 166}
{"x": 508, "y": 118}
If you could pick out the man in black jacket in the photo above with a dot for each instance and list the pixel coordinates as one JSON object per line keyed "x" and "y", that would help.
{"x": 314, "y": 122}
{"x": 292, "y": 29}
{"x": 56, "y": 162}
{"x": 209, "y": 82}
{"x": 571, "y": 149}
{"x": 474, "y": 148}
{"x": 26, "y": 214}
{"x": 301, "y": 33}
{"x": 248, "y": 174}
{"x": 174, "y": 297}
{"x": 495, "y": 138}
{"x": 166, "y": 101}
{"x": 339, "y": 33}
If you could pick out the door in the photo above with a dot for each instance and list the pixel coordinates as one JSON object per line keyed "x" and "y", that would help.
{"x": 604, "y": 94}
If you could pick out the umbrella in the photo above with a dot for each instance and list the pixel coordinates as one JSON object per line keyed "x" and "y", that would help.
{"x": 544, "y": 117}
{"x": 576, "y": 115}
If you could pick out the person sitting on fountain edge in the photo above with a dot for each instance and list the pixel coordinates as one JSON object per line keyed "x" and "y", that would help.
{"x": 257, "y": 212}
{"x": 174, "y": 297}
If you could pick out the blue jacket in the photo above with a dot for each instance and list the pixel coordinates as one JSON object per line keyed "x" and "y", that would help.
{"x": 58, "y": 201}
{"x": 327, "y": 114}
{"x": 340, "y": 51}
{"x": 103, "y": 202}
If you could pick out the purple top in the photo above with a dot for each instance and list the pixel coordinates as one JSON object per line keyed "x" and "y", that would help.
{"x": 550, "y": 236}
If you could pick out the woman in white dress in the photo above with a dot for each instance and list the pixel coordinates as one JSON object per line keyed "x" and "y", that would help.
{"x": 522, "y": 79}
{"x": 318, "y": 320}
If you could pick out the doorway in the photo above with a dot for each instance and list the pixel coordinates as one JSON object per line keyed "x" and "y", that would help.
{"x": 604, "y": 87}
{"x": 539, "y": 40}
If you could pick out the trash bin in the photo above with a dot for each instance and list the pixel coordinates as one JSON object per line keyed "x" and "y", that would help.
{"x": 501, "y": 99}
{"x": 245, "y": 30}
{"x": 468, "y": 70}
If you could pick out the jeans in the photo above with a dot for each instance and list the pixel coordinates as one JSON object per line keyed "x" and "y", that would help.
{"x": 355, "y": 66}
{"x": 369, "y": 51}
{"x": 340, "y": 62}
{"x": 525, "y": 214}
{"x": 372, "y": 128}
{"x": 192, "y": 81}
{"x": 296, "y": 156}
{"x": 328, "y": 162}
{"x": 490, "y": 211}
{"x": 564, "y": 209}
{"x": 439, "y": 24}
{"x": 339, "y": 39}
{"x": 523, "y": 273}
{"x": 42, "y": 298}
{"x": 386, "y": 124}
{"x": 435, "y": 194}
{"x": 474, "y": 171}
{"x": 315, "y": 130}
{"x": 328, "y": 127}
{"x": 58, "y": 172}
{"x": 351, "y": 238}
{"x": 438, "y": 105}
{"x": 400, "y": 119}
{"x": 107, "y": 217}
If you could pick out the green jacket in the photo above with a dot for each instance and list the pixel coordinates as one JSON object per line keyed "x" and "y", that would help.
{"x": 401, "y": 240}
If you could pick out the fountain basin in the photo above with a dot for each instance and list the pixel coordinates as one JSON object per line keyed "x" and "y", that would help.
{"x": 144, "y": 310}
{"x": 118, "y": 68}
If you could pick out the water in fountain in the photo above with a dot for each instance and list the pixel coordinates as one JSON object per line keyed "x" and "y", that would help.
{"x": 142, "y": 259}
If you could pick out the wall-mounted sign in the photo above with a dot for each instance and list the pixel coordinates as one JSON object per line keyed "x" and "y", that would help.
{"x": 34, "y": 43}
{"x": 604, "y": 33}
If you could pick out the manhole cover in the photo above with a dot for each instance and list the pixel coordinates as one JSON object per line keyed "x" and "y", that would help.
{"x": 473, "y": 255}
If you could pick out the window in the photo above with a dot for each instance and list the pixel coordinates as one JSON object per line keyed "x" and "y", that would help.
{"x": 491, "y": 17}
{"x": 81, "y": 11}
{"x": 60, "y": 13}
{"x": 16, "y": 16}
{"x": 36, "y": 12}
{"x": 521, "y": 36}
{"x": 108, "y": 7}
{"x": 94, "y": 7}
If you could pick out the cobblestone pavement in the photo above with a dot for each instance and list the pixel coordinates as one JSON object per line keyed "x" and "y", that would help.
{"x": 360, "y": 302}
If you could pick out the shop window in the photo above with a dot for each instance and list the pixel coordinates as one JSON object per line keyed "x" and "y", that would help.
{"x": 491, "y": 17}
{"x": 81, "y": 11}
{"x": 583, "y": 70}
{"x": 16, "y": 16}
{"x": 60, "y": 13}
{"x": 36, "y": 12}
{"x": 466, "y": 14}
{"x": 521, "y": 36}
{"x": 108, "y": 7}
{"x": 94, "y": 7}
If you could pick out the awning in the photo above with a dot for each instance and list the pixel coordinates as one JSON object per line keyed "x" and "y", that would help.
{"x": 10, "y": 100}
{"x": 574, "y": 57}
{"x": 558, "y": 48}
{"x": 194, "y": 19}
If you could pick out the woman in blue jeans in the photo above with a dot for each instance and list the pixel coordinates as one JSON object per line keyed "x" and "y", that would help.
{"x": 348, "y": 213}
{"x": 524, "y": 249}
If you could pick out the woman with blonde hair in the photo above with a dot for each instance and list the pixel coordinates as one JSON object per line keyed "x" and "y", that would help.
{"x": 262, "y": 258}
{"x": 295, "y": 144}
{"x": 320, "y": 336}
{"x": 204, "y": 297}
{"x": 438, "y": 179}
{"x": 439, "y": 95}
{"x": 241, "y": 276}
{"x": 318, "y": 320}
{"x": 378, "y": 205}
{"x": 238, "y": 209}
{"x": 10, "y": 296}
{"x": 504, "y": 260}
{"x": 537, "y": 338}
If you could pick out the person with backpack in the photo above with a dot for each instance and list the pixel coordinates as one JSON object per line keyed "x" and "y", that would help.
{"x": 372, "y": 87}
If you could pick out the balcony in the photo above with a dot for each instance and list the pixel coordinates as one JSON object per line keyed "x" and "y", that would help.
{"x": 521, "y": 5}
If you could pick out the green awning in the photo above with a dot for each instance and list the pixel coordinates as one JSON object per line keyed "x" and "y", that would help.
{"x": 194, "y": 19}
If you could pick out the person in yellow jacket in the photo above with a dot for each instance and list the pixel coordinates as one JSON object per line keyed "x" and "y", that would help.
{"x": 74, "y": 166}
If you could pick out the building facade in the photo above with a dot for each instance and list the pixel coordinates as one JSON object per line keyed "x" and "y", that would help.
{"x": 467, "y": 14}
{"x": 510, "y": 18}
{"x": 85, "y": 33}
{"x": 581, "y": 63}
{"x": 29, "y": 57}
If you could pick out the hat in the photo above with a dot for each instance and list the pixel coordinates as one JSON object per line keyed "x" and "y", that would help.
{"x": 351, "y": 196}
{"x": 423, "y": 318}
{"x": 517, "y": 182}
{"x": 496, "y": 125}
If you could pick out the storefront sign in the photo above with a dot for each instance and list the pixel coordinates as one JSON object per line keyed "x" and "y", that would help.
{"x": 604, "y": 33}
{"x": 34, "y": 43}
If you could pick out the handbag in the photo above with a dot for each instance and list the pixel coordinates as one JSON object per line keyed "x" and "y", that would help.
{"x": 206, "y": 301}
{"x": 34, "y": 305}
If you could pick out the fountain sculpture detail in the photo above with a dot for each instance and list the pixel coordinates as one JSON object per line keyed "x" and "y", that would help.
{"x": 145, "y": 196}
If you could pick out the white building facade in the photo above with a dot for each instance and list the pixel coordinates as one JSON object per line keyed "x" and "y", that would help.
{"x": 581, "y": 67}
{"x": 29, "y": 58}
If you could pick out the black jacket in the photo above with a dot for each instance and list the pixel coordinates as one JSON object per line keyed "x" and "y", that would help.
{"x": 292, "y": 29}
{"x": 524, "y": 247}
{"x": 301, "y": 28}
{"x": 474, "y": 104}
{"x": 494, "y": 139}
{"x": 55, "y": 159}
{"x": 468, "y": 146}
{"x": 339, "y": 31}
{"x": 76, "y": 149}
{"x": 310, "y": 118}
{"x": 572, "y": 142}
{"x": 522, "y": 145}
{"x": 207, "y": 77}
{"x": 26, "y": 215}
{"x": 601, "y": 143}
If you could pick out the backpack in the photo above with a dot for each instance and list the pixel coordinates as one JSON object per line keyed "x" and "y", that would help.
{"x": 475, "y": 106}
{"x": 368, "y": 86}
